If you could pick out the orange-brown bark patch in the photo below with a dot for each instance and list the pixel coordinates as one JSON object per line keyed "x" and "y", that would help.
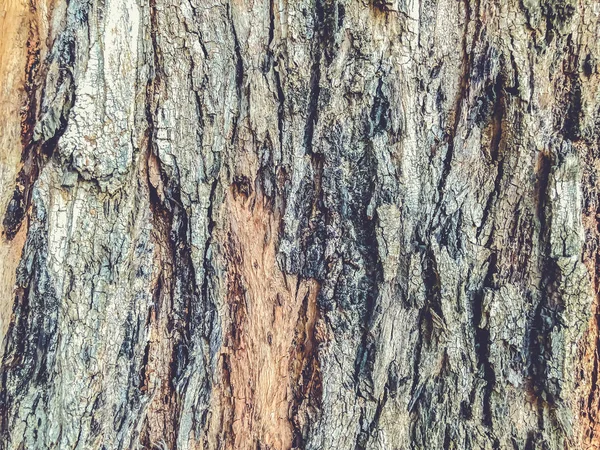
{"x": 268, "y": 359}
{"x": 23, "y": 24}
{"x": 588, "y": 405}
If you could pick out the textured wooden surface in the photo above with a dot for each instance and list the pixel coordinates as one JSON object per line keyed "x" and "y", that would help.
{"x": 320, "y": 224}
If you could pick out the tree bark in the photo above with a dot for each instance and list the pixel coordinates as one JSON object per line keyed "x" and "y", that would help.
{"x": 318, "y": 224}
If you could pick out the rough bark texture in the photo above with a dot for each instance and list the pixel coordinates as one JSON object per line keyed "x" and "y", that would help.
{"x": 316, "y": 224}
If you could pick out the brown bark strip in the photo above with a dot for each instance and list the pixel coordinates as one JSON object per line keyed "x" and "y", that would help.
{"x": 578, "y": 89}
{"x": 305, "y": 372}
{"x": 269, "y": 368}
{"x": 159, "y": 425}
{"x": 159, "y": 428}
{"x": 24, "y": 25}
{"x": 588, "y": 405}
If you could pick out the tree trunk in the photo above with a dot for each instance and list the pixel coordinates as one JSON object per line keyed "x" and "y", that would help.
{"x": 316, "y": 224}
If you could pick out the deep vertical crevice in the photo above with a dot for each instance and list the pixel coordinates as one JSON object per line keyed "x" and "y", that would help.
{"x": 313, "y": 99}
{"x": 274, "y": 62}
{"x": 547, "y": 311}
{"x": 239, "y": 74}
{"x": 482, "y": 340}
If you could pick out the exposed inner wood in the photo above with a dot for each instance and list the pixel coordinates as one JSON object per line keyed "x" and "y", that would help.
{"x": 264, "y": 353}
{"x": 18, "y": 44}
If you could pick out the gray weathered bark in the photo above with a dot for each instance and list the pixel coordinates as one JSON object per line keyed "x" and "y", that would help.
{"x": 320, "y": 224}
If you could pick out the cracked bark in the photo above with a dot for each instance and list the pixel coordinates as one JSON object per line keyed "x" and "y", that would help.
{"x": 311, "y": 224}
